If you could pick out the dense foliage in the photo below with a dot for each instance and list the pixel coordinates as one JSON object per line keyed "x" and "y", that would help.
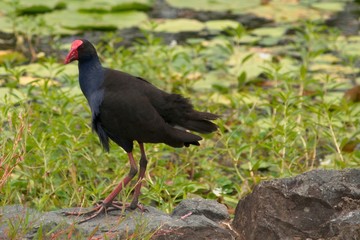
{"x": 279, "y": 93}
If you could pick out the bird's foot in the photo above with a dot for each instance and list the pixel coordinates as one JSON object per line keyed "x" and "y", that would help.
{"x": 116, "y": 205}
{"x": 100, "y": 207}
{"x": 137, "y": 206}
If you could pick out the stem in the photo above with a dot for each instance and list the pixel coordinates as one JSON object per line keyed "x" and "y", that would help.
{"x": 338, "y": 150}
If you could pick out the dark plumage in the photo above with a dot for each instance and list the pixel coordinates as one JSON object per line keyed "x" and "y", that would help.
{"x": 126, "y": 109}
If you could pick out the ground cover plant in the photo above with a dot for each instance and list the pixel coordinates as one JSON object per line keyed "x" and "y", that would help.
{"x": 285, "y": 94}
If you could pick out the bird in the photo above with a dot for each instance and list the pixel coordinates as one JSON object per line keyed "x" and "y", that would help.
{"x": 127, "y": 109}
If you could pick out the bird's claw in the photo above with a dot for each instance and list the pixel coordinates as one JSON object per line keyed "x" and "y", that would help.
{"x": 100, "y": 207}
{"x": 93, "y": 213}
{"x": 141, "y": 208}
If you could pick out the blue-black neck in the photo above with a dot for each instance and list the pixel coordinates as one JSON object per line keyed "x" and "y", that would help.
{"x": 91, "y": 76}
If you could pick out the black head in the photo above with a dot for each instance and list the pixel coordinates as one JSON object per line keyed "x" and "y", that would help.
{"x": 81, "y": 50}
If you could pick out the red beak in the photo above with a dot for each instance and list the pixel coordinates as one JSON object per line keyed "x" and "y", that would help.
{"x": 72, "y": 55}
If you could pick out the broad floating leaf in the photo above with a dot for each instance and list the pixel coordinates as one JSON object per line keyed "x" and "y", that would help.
{"x": 103, "y": 6}
{"x": 65, "y": 20}
{"x": 178, "y": 25}
{"x": 286, "y": 12}
{"x": 270, "y": 32}
{"x": 329, "y": 6}
{"x": 220, "y": 25}
{"x": 39, "y": 6}
{"x": 211, "y": 5}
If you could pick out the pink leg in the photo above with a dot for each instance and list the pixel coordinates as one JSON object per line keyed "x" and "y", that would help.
{"x": 143, "y": 164}
{"x": 108, "y": 201}
{"x": 124, "y": 182}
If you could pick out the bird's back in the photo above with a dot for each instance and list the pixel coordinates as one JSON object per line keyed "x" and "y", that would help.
{"x": 134, "y": 109}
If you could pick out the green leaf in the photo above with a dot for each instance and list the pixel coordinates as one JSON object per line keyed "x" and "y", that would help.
{"x": 177, "y": 25}
{"x": 132, "y": 6}
{"x": 214, "y": 5}
{"x": 329, "y": 6}
{"x": 10, "y": 95}
{"x": 275, "y": 32}
{"x": 241, "y": 80}
{"x": 246, "y": 58}
{"x": 219, "y": 25}
{"x": 39, "y": 6}
{"x": 64, "y": 21}
{"x": 106, "y": 6}
{"x": 11, "y": 56}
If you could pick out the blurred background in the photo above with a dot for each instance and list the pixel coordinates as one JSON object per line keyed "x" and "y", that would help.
{"x": 283, "y": 74}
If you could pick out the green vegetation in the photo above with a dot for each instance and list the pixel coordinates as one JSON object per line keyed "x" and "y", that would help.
{"x": 279, "y": 92}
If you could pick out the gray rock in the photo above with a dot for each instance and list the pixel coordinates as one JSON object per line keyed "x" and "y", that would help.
{"x": 320, "y": 204}
{"x": 208, "y": 208}
{"x": 31, "y": 224}
{"x": 200, "y": 233}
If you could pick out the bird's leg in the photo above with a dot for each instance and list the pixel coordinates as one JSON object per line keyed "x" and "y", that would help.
{"x": 143, "y": 163}
{"x": 123, "y": 183}
{"x": 108, "y": 202}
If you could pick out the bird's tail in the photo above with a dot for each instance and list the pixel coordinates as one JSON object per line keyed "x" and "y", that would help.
{"x": 180, "y": 138}
{"x": 201, "y": 122}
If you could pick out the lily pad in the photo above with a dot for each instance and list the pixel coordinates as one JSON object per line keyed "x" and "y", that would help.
{"x": 37, "y": 9}
{"x": 49, "y": 4}
{"x": 214, "y": 5}
{"x": 279, "y": 11}
{"x": 102, "y": 6}
{"x": 178, "y": 25}
{"x": 249, "y": 39}
{"x": 270, "y": 36}
{"x": 31, "y": 6}
{"x": 76, "y": 21}
{"x": 276, "y": 32}
{"x": 131, "y": 6}
{"x": 329, "y": 6}
{"x": 219, "y": 25}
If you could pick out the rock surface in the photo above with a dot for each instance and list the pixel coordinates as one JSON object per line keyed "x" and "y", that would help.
{"x": 320, "y": 204}
{"x": 191, "y": 219}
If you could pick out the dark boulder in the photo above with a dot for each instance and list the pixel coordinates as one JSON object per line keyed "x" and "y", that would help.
{"x": 320, "y": 204}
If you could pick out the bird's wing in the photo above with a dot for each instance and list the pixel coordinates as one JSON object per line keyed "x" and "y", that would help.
{"x": 128, "y": 113}
{"x": 178, "y": 111}
{"x": 129, "y": 116}
{"x": 134, "y": 109}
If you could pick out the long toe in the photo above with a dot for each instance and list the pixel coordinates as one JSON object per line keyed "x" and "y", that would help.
{"x": 84, "y": 213}
{"x": 98, "y": 209}
{"x": 103, "y": 208}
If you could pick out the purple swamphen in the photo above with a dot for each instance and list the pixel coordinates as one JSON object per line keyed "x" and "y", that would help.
{"x": 125, "y": 109}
